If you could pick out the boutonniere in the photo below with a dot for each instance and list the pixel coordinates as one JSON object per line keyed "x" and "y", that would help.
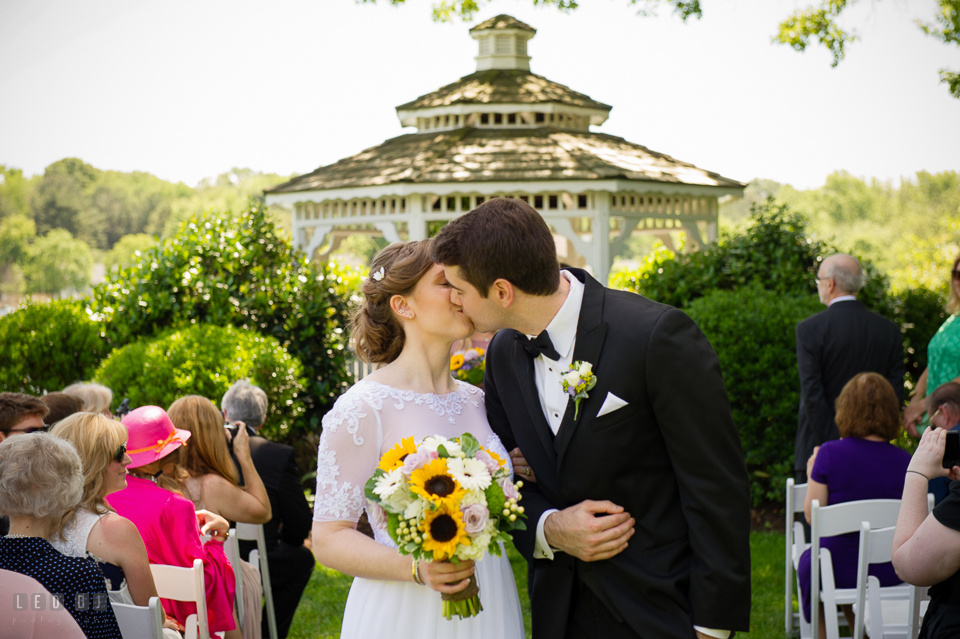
{"x": 577, "y": 381}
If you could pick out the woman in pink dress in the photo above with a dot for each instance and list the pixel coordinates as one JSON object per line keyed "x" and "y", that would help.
{"x": 170, "y": 527}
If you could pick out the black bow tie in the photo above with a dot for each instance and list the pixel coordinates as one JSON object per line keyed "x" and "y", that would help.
{"x": 539, "y": 346}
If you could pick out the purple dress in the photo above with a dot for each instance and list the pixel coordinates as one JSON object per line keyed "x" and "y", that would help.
{"x": 854, "y": 469}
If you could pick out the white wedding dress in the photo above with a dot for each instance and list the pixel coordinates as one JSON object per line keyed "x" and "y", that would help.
{"x": 365, "y": 422}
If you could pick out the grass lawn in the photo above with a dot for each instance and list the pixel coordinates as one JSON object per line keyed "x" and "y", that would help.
{"x": 321, "y": 607}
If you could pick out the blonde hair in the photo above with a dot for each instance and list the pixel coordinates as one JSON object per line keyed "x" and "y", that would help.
{"x": 376, "y": 332}
{"x": 40, "y": 476}
{"x": 96, "y": 397}
{"x": 207, "y": 452}
{"x": 173, "y": 481}
{"x": 953, "y": 300}
{"x": 96, "y": 439}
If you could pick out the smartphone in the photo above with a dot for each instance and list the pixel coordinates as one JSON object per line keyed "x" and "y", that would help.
{"x": 951, "y": 455}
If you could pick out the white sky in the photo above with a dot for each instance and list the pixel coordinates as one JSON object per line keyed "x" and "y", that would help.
{"x": 186, "y": 90}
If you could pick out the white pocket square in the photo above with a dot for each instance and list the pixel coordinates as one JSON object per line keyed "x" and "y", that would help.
{"x": 610, "y": 404}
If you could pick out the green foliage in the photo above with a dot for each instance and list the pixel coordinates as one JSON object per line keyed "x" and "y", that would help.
{"x": 805, "y": 24}
{"x": 16, "y": 233}
{"x": 947, "y": 30}
{"x": 202, "y": 359}
{"x": 760, "y": 374}
{"x": 919, "y": 312}
{"x": 57, "y": 262}
{"x": 128, "y": 251}
{"x": 13, "y": 193}
{"x": 46, "y": 347}
{"x": 239, "y": 270}
{"x": 448, "y": 10}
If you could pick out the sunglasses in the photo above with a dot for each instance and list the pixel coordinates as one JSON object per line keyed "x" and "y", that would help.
{"x": 121, "y": 453}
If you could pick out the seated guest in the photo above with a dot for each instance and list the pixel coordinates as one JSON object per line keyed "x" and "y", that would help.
{"x": 61, "y": 405}
{"x": 19, "y": 414}
{"x": 943, "y": 406}
{"x": 214, "y": 482}
{"x": 862, "y": 464}
{"x": 94, "y": 530}
{"x": 167, "y": 521}
{"x": 22, "y": 621}
{"x": 96, "y": 398}
{"x": 291, "y": 564}
{"x": 926, "y": 547}
{"x": 41, "y": 481}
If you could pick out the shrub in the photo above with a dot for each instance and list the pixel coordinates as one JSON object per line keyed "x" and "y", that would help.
{"x": 241, "y": 271}
{"x": 919, "y": 312}
{"x": 203, "y": 359}
{"x": 753, "y": 332}
{"x": 45, "y": 347}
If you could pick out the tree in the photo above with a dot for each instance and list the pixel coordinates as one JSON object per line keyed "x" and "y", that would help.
{"x": 16, "y": 234}
{"x": 13, "y": 192}
{"x": 58, "y": 262}
{"x": 128, "y": 251}
{"x": 798, "y": 31}
{"x": 59, "y": 200}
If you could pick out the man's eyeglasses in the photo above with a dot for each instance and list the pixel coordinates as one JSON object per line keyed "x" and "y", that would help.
{"x": 935, "y": 413}
{"x": 121, "y": 453}
{"x": 24, "y": 431}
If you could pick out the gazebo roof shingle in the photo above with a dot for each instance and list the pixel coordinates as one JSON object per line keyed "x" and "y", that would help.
{"x": 498, "y": 155}
{"x": 503, "y": 21}
{"x": 503, "y": 86}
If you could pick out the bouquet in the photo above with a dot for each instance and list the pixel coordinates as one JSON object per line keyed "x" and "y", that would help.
{"x": 447, "y": 500}
{"x": 468, "y": 365}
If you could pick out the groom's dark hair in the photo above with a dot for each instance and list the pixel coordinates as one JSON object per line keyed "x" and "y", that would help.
{"x": 502, "y": 238}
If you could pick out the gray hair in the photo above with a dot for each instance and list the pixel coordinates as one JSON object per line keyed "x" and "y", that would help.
{"x": 96, "y": 398}
{"x": 245, "y": 403}
{"x": 845, "y": 271}
{"x": 40, "y": 475}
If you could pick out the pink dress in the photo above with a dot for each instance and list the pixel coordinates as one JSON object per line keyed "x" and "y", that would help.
{"x": 168, "y": 524}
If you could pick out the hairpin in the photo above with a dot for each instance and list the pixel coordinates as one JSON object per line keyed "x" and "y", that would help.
{"x": 378, "y": 275}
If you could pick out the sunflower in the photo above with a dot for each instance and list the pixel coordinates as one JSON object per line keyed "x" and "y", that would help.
{"x": 497, "y": 458}
{"x": 394, "y": 457}
{"x": 456, "y": 361}
{"x": 434, "y": 482}
{"x": 444, "y": 531}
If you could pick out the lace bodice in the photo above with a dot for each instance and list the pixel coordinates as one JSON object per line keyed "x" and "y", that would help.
{"x": 367, "y": 421}
{"x": 75, "y": 534}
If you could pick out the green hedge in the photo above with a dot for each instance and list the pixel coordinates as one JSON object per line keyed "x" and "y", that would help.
{"x": 753, "y": 332}
{"x": 203, "y": 359}
{"x": 45, "y": 347}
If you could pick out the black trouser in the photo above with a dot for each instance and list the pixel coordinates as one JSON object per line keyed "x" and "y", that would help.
{"x": 590, "y": 618}
{"x": 942, "y": 620}
{"x": 290, "y": 570}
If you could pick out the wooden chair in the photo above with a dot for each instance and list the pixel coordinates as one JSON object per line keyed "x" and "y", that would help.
{"x": 185, "y": 584}
{"x": 254, "y": 532}
{"x": 138, "y": 622}
{"x": 828, "y": 522}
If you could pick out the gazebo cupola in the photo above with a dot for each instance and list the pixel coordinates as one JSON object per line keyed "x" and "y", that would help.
{"x": 504, "y": 131}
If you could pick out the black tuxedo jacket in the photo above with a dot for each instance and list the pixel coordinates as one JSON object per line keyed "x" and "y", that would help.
{"x": 671, "y": 457}
{"x": 277, "y": 467}
{"x": 832, "y": 347}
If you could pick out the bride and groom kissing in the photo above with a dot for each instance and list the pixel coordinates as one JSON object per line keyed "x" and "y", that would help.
{"x": 638, "y": 515}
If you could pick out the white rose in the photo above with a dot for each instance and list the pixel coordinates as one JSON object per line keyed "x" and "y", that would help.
{"x": 571, "y": 377}
{"x": 586, "y": 368}
{"x": 414, "y": 510}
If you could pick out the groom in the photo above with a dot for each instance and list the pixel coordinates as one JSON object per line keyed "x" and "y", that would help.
{"x": 638, "y": 521}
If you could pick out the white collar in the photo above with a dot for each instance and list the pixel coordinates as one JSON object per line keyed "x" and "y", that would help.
{"x": 842, "y": 298}
{"x": 562, "y": 329}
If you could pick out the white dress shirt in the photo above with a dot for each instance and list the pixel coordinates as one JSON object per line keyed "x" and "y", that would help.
{"x": 562, "y": 330}
{"x": 842, "y": 298}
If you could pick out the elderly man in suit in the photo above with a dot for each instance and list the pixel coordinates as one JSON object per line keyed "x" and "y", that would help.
{"x": 832, "y": 347}
{"x": 639, "y": 516}
{"x": 291, "y": 564}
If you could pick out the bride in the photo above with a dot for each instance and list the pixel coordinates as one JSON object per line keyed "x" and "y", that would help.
{"x": 407, "y": 324}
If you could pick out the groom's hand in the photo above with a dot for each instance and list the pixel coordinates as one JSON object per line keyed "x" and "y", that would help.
{"x": 590, "y": 530}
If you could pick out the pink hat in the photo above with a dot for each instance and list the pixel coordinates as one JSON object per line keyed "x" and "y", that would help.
{"x": 152, "y": 435}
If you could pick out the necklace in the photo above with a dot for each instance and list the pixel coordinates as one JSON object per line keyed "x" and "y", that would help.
{"x": 18, "y": 536}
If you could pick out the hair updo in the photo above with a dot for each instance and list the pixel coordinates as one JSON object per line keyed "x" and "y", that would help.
{"x": 376, "y": 331}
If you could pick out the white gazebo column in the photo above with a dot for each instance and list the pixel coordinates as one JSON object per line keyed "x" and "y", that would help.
{"x": 600, "y": 254}
{"x": 389, "y": 230}
{"x": 416, "y": 225}
{"x": 319, "y": 235}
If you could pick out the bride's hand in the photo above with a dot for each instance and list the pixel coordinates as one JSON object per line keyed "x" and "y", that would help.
{"x": 520, "y": 466}
{"x": 444, "y": 576}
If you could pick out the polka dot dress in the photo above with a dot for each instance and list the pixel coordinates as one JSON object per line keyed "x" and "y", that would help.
{"x": 78, "y": 582}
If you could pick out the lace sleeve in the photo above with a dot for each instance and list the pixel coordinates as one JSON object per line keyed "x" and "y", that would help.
{"x": 347, "y": 457}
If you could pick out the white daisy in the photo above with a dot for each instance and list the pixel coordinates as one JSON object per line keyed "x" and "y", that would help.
{"x": 388, "y": 483}
{"x": 434, "y": 442}
{"x": 472, "y": 474}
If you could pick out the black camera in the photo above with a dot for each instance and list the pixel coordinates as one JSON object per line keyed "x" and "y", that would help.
{"x": 233, "y": 427}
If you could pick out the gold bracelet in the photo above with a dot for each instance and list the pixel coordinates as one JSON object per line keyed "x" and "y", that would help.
{"x": 416, "y": 573}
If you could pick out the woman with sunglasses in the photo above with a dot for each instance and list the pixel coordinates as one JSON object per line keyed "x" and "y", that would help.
{"x": 94, "y": 529}
{"x": 943, "y": 359}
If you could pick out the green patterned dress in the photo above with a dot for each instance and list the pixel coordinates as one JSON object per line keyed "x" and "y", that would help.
{"x": 943, "y": 359}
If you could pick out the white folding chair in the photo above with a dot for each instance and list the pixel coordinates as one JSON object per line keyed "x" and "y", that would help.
{"x": 232, "y": 550}
{"x": 828, "y": 522}
{"x": 796, "y": 543}
{"x": 885, "y": 613}
{"x": 254, "y": 532}
{"x": 138, "y": 622}
{"x": 185, "y": 584}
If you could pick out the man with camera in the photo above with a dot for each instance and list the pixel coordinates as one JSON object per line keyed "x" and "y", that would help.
{"x": 291, "y": 564}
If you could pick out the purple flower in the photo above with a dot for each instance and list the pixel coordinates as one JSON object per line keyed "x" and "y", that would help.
{"x": 471, "y": 354}
{"x": 475, "y": 518}
{"x": 417, "y": 460}
{"x": 571, "y": 391}
{"x": 490, "y": 462}
{"x": 509, "y": 490}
